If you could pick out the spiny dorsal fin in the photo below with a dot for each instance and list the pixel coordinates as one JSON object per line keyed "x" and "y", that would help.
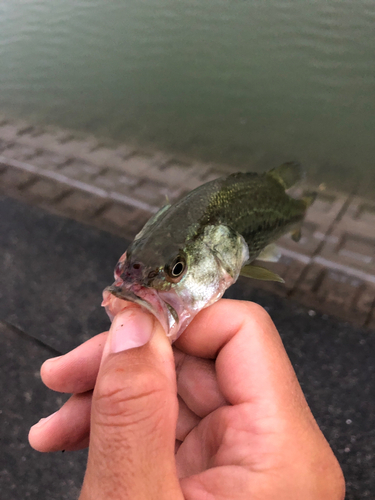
{"x": 260, "y": 273}
{"x": 287, "y": 174}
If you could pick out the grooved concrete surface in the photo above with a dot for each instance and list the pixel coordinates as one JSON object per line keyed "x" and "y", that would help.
{"x": 51, "y": 277}
{"x": 332, "y": 268}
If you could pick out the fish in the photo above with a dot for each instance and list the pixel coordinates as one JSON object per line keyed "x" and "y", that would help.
{"x": 189, "y": 253}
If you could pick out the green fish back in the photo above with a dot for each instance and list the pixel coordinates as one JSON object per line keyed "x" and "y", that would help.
{"x": 256, "y": 206}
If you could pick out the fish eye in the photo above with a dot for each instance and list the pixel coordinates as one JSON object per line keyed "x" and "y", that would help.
{"x": 177, "y": 268}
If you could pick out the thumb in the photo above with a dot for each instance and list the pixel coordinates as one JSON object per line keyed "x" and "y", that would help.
{"x": 134, "y": 414}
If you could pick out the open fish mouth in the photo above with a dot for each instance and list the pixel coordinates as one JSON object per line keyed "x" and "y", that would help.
{"x": 116, "y": 296}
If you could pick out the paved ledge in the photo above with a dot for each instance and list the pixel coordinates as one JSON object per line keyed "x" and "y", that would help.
{"x": 331, "y": 270}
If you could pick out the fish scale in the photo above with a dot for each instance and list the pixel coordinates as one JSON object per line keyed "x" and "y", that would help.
{"x": 262, "y": 219}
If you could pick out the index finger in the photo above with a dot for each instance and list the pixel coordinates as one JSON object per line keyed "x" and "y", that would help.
{"x": 251, "y": 362}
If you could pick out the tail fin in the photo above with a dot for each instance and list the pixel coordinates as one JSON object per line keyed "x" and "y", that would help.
{"x": 287, "y": 174}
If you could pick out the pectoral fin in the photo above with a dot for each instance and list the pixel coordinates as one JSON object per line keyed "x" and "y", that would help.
{"x": 260, "y": 273}
{"x": 270, "y": 254}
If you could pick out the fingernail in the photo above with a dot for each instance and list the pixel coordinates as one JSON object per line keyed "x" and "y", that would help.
{"x": 132, "y": 328}
{"x": 42, "y": 421}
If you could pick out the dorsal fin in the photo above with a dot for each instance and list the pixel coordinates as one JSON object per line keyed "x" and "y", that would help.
{"x": 287, "y": 174}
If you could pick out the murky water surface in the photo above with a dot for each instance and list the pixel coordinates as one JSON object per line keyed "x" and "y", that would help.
{"x": 246, "y": 82}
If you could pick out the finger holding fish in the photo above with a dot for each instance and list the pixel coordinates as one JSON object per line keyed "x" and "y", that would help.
{"x": 76, "y": 372}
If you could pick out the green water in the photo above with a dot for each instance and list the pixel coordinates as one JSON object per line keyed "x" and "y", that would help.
{"x": 241, "y": 82}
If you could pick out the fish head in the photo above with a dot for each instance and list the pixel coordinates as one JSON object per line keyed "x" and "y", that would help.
{"x": 174, "y": 281}
{"x": 150, "y": 275}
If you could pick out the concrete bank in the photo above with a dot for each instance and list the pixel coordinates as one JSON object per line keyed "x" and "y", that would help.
{"x": 331, "y": 270}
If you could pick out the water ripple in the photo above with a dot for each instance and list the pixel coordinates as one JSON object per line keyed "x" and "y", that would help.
{"x": 223, "y": 80}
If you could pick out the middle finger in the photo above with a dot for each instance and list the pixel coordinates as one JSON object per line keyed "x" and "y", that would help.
{"x": 197, "y": 383}
{"x": 76, "y": 371}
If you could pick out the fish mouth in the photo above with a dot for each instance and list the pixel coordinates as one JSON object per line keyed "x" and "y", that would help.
{"x": 117, "y": 295}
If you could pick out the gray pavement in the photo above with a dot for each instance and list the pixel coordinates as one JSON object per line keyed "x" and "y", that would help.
{"x": 25, "y": 473}
{"x": 52, "y": 273}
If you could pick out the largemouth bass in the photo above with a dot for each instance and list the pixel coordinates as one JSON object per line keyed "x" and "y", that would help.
{"x": 188, "y": 254}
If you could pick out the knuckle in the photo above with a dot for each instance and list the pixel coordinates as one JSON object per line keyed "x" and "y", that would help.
{"x": 257, "y": 313}
{"x": 122, "y": 397}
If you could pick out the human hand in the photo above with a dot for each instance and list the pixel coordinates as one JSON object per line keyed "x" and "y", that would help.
{"x": 242, "y": 426}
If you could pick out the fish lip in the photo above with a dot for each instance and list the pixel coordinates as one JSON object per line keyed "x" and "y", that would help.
{"x": 170, "y": 321}
{"x": 118, "y": 291}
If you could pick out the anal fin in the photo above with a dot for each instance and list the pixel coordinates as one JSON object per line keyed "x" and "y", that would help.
{"x": 260, "y": 273}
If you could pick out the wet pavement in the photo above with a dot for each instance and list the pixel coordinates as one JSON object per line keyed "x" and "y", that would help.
{"x": 52, "y": 273}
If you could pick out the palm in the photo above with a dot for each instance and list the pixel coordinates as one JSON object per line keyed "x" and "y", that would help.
{"x": 217, "y": 439}
{"x": 216, "y": 469}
